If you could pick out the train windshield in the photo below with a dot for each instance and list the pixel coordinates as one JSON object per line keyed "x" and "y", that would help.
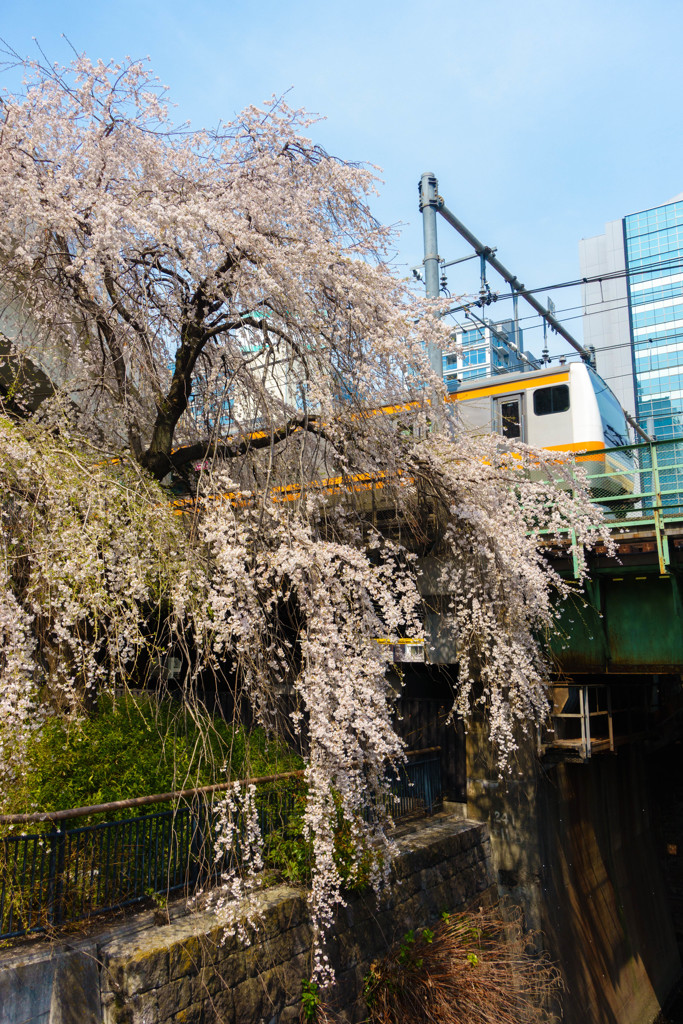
{"x": 614, "y": 424}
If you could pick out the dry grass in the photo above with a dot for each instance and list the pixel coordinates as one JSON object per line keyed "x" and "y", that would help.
{"x": 471, "y": 967}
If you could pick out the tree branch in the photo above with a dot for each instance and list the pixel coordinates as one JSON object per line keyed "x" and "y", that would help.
{"x": 233, "y": 447}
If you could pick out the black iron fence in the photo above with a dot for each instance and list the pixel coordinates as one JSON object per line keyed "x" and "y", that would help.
{"x": 71, "y": 873}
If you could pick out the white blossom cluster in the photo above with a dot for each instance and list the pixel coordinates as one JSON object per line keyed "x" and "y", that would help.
{"x": 266, "y": 560}
{"x": 89, "y": 553}
{"x": 19, "y": 710}
{"x": 502, "y": 506}
{"x": 143, "y": 252}
{"x": 237, "y": 846}
{"x": 282, "y": 597}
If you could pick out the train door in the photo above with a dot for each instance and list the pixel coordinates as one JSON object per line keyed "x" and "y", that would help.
{"x": 509, "y": 416}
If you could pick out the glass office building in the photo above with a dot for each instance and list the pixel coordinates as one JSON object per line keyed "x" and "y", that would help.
{"x": 484, "y": 350}
{"x": 653, "y": 243}
{"x": 634, "y": 316}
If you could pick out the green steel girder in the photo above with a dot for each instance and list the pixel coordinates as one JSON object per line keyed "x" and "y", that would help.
{"x": 626, "y": 623}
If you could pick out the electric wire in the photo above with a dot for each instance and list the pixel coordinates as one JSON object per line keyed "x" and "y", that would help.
{"x": 572, "y": 354}
{"x": 662, "y": 268}
{"x": 567, "y": 309}
{"x": 607, "y": 303}
{"x": 611, "y": 275}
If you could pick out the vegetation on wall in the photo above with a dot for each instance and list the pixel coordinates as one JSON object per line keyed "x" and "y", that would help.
{"x": 133, "y": 746}
{"x": 470, "y": 967}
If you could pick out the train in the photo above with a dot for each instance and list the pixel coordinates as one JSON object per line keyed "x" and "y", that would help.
{"x": 564, "y": 408}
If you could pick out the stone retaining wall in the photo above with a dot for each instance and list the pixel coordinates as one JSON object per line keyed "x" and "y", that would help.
{"x": 187, "y": 972}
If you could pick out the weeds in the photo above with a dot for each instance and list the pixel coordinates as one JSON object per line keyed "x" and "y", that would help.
{"x": 310, "y": 1001}
{"x": 133, "y": 746}
{"x": 470, "y": 967}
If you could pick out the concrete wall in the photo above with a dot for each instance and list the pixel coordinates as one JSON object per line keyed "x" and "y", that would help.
{"x": 606, "y": 323}
{"x": 606, "y": 911}
{"x": 187, "y": 971}
{"x": 573, "y": 845}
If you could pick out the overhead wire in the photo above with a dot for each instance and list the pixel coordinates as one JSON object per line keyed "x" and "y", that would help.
{"x": 658, "y": 268}
{"x": 612, "y": 275}
{"x": 648, "y": 268}
{"x": 585, "y": 313}
{"x": 609, "y": 306}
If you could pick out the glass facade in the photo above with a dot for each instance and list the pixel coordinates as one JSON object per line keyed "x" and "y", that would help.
{"x": 653, "y": 245}
{"x": 487, "y": 349}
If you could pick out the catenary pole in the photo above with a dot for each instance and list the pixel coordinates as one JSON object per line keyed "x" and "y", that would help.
{"x": 428, "y": 208}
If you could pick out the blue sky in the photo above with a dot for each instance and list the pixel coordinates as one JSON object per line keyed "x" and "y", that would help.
{"x": 541, "y": 120}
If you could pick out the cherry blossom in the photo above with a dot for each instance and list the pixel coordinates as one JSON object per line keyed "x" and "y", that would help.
{"x": 217, "y": 313}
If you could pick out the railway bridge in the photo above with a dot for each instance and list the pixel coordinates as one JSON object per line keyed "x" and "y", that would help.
{"x": 619, "y": 648}
{"x": 587, "y": 834}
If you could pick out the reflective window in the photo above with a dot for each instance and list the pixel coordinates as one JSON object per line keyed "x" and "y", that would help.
{"x": 510, "y": 420}
{"x": 471, "y": 338}
{"x": 550, "y": 400}
{"x": 476, "y": 355}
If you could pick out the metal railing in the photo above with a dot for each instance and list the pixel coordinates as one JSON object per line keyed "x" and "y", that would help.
{"x": 639, "y": 487}
{"x": 582, "y": 707}
{"x": 593, "y": 718}
{"x": 418, "y": 786}
{"x": 70, "y": 874}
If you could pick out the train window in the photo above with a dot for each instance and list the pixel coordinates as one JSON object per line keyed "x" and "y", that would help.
{"x": 510, "y": 420}
{"x": 550, "y": 400}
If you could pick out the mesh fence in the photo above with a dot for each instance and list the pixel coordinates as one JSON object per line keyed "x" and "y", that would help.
{"x": 637, "y": 482}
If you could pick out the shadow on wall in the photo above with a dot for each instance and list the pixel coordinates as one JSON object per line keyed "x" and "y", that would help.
{"x": 605, "y": 910}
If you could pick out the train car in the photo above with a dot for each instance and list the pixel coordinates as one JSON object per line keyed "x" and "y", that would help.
{"x": 565, "y": 408}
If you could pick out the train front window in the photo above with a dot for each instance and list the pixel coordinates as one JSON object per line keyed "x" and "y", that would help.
{"x": 550, "y": 400}
{"x": 510, "y": 421}
{"x": 612, "y": 415}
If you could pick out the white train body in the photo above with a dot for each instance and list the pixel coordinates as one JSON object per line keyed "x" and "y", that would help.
{"x": 567, "y": 408}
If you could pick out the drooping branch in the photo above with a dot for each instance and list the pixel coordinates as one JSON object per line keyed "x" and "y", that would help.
{"x": 165, "y": 248}
{"x": 241, "y": 445}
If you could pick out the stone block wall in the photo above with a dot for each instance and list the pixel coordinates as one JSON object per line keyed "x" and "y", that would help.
{"x": 187, "y": 971}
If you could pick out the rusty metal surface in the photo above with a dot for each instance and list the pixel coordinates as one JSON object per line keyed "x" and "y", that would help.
{"x": 628, "y": 620}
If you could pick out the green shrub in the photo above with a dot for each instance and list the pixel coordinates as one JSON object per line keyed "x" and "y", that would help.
{"x": 136, "y": 746}
{"x": 286, "y": 849}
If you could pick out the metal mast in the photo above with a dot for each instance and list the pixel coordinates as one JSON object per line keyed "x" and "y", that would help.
{"x": 428, "y": 206}
{"x": 514, "y": 282}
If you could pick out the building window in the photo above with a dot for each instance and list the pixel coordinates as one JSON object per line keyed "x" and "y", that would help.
{"x": 474, "y": 356}
{"x": 550, "y": 400}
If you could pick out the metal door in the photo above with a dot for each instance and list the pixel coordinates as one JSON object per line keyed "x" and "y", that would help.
{"x": 509, "y": 416}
